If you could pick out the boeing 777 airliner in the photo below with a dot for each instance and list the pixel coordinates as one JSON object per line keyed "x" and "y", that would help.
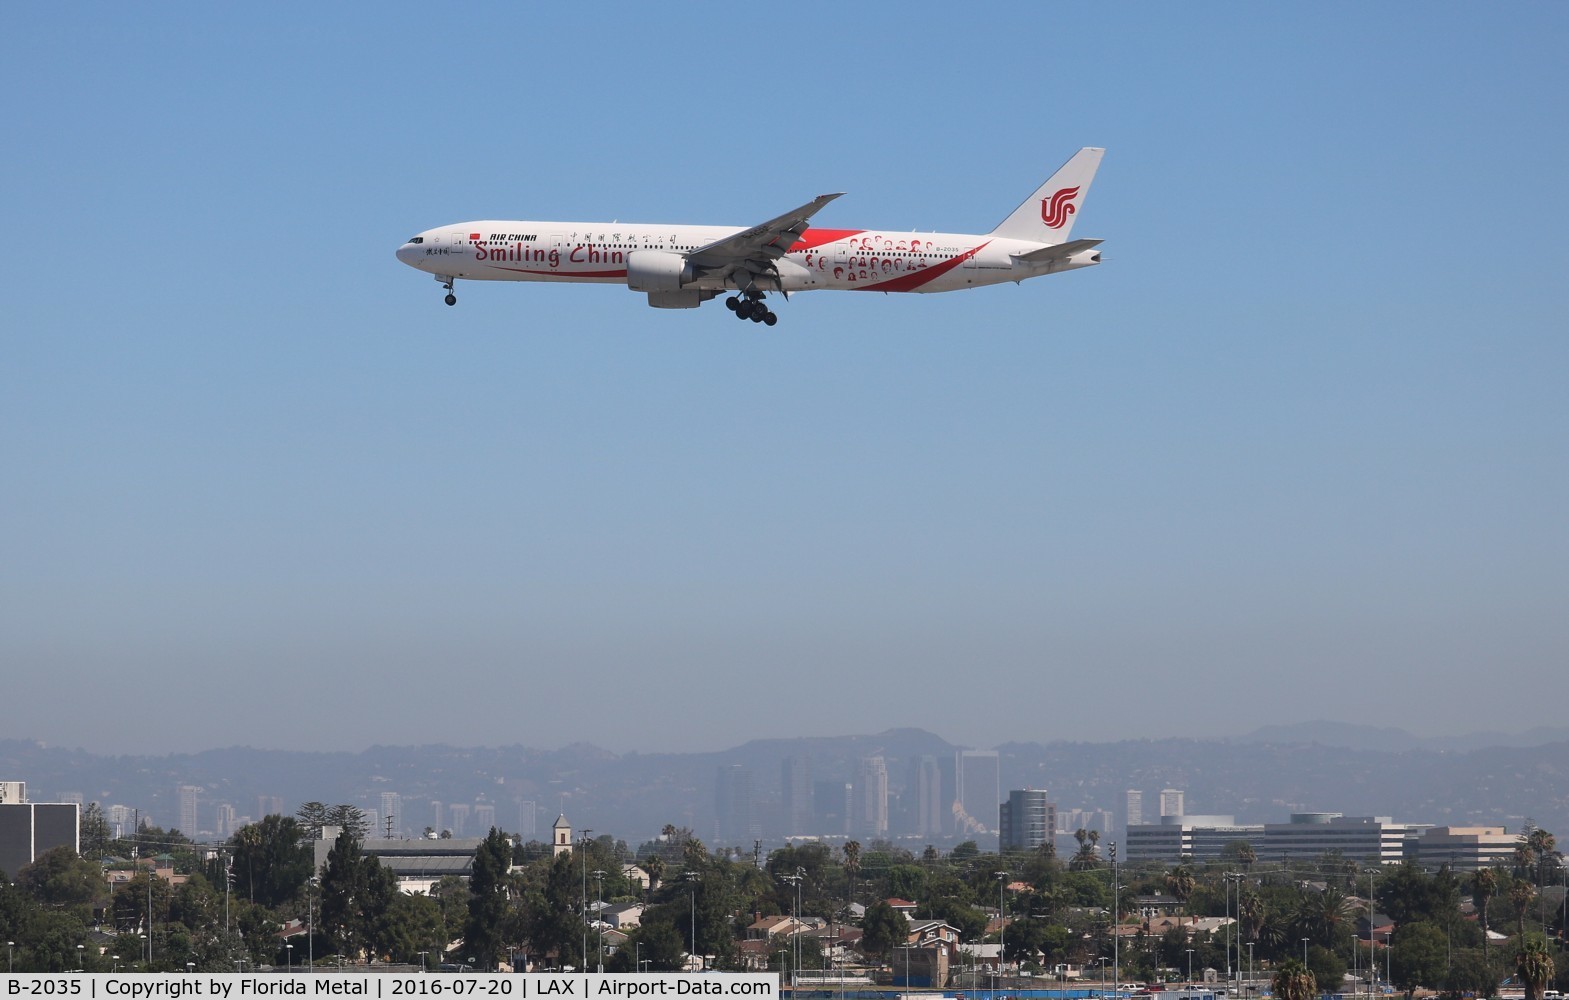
{"x": 681, "y": 267}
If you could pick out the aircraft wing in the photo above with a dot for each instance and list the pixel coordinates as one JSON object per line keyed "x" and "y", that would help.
{"x": 1058, "y": 251}
{"x": 754, "y": 250}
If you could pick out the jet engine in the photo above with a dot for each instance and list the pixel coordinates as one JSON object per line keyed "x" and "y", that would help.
{"x": 657, "y": 271}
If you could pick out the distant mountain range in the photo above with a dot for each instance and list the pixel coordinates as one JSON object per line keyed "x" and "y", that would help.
{"x": 1261, "y": 777}
{"x": 1355, "y": 737}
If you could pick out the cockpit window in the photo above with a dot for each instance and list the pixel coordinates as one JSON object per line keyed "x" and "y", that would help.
{"x": 416, "y": 239}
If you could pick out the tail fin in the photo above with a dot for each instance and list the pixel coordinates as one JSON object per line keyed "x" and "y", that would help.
{"x": 1047, "y": 215}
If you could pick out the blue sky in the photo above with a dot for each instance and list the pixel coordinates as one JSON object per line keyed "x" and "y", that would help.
{"x": 1296, "y": 451}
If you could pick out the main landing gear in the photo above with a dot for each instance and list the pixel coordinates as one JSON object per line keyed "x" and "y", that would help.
{"x": 751, "y": 307}
{"x": 451, "y": 299}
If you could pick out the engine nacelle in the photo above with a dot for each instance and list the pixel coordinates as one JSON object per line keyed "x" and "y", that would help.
{"x": 686, "y": 298}
{"x": 657, "y": 271}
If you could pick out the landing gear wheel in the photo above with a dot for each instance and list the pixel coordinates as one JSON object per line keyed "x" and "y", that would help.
{"x": 451, "y": 299}
{"x": 760, "y": 315}
{"x": 770, "y": 319}
{"x": 732, "y": 303}
{"x": 743, "y": 309}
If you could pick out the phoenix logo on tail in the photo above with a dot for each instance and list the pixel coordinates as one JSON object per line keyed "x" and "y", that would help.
{"x": 1056, "y": 209}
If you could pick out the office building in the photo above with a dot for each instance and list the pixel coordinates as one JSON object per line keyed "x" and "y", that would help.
{"x": 735, "y": 819}
{"x": 795, "y": 795}
{"x": 1171, "y": 802}
{"x": 1201, "y": 838}
{"x": 29, "y": 829}
{"x": 1026, "y": 820}
{"x": 869, "y": 798}
{"x": 977, "y": 793}
{"x": 1135, "y": 808}
{"x": 1356, "y": 838}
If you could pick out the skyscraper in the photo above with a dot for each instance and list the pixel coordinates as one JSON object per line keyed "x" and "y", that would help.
{"x": 795, "y": 795}
{"x": 734, "y": 815}
{"x": 869, "y": 798}
{"x": 977, "y": 792}
{"x": 1135, "y": 810}
{"x": 188, "y": 798}
{"x": 1171, "y": 802}
{"x": 930, "y": 806}
{"x": 458, "y": 818}
{"x": 391, "y": 814}
{"x": 1026, "y": 820}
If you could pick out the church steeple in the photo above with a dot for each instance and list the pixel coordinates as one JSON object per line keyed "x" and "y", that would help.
{"x": 561, "y": 833}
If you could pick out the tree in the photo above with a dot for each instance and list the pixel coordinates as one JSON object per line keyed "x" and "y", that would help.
{"x": 61, "y": 879}
{"x": 488, "y": 927}
{"x": 1519, "y": 894}
{"x": 1180, "y": 883}
{"x": 882, "y": 928}
{"x": 1293, "y": 981}
{"x": 852, "y": 867}
{"x": 1484, "y": 885}
{"x": 272, "y": 860}
{"x": 95, "y": 832}
{"x": 355, "y": 894}
{"x": 313, "y": 816}
{"x": 1471, "y": 972}
{"x": 1535, "y": 967}
{"x": 1418, "y": 956}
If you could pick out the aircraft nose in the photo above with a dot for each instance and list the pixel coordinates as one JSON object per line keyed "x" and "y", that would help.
{"x": 406, "y": 253}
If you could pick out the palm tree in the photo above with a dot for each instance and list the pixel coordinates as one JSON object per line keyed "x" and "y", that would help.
{"x": 1519, "y": 893}
{"x": 1180, "y": 883}
{"x": 1535, "y": 966}
{"x": 1293, "y": 981}
{"x": 852, "y": 867}
{"x": 655, "y": 866}
{"x": 1484, "y": 885}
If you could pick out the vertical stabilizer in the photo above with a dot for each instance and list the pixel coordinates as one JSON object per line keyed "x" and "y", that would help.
{"x": 1047, "y": 215}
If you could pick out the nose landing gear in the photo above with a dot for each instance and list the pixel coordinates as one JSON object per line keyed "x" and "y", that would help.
{"x": 451, "y": 299}
{"x": 752, "y": 307}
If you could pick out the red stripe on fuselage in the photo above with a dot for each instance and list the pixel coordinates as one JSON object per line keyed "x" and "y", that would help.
{"x": 915, "y": 279}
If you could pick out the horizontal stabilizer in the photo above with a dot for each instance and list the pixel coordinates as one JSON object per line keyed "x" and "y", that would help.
{"x": 1060, "y": 251}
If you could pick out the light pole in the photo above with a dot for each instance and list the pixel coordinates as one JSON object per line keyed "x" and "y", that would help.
{"x": 422, "y": 966}
{"x": 116, "y": 962}
{"x": 1304, "y": 951}
{"x": 1002, "y": 922}
{"x": 10, "y": 966}
{"x": 1190, "y": 966}
{"x": 584, "y": 844}
{"x": 290, "y": 952}
{"x": 599, "y": 924}
{"x": 795, "y": 924}
{"x": 310, "y": 923}
{"x": 79, "y": 949}
{"x": 1116, "y": 926}
{"x": 1250, "y": 965}
{"x": 691, "y": 879}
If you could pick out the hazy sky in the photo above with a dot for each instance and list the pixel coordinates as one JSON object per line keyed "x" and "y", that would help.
{"x": 1296, "y": 451}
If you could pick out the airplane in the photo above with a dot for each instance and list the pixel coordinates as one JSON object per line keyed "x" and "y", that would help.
{"x": 681, "y": 267}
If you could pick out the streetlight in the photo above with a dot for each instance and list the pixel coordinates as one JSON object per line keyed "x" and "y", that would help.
{"x": 691, "y": 877}
{"x": 1116, "y": 927}
{"x": 584, "y": 845}
{"x": 79, "y": 956}
{"x": 1250, "y": 965}
{"x": 116, "y": 962}
{"x": 1304, "y": 950}
{"x": 422, "y": 955}
{"x": 310, "y": 923}
{"x": 290, "y": 947}
{"x": 190, "y": 968}
{"x": 1190, "y": 966}
{"x": 599, "y": 923}
{"x": 795, "y": 925}
{"x": 9, "y": 965}
{"x": 1002, "y": 922}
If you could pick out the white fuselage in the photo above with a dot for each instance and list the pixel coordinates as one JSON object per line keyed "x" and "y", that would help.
{"x": 844, "y": 259}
